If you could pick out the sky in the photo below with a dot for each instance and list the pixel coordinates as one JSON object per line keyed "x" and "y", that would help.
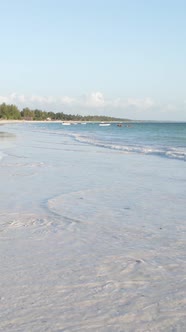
{"x": 122, "y": 58}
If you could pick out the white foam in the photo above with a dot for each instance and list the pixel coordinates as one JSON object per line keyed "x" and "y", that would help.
{"x": 1, "y": 155}
{"x": 167, "y": 152}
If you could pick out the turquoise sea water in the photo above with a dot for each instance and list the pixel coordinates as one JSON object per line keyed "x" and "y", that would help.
{"x": 92, "y": 227}
{"x": 163, "y": 139}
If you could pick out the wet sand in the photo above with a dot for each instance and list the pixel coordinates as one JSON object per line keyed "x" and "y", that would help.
{"x": 91, "y": 240}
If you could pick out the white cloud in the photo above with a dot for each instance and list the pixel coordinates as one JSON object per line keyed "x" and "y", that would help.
{"x": 67, "y": 100}
{"x": 3, "y": 100}
{"x": 143, "y": 104}
{"x": 170, "y": 108}
{"x": 40, "y": 99}
{"x": 93, "y": 102}
{"x": 95, "y": 99}
{"x": 97, "y": 103}
{"x": 13, "y": 98}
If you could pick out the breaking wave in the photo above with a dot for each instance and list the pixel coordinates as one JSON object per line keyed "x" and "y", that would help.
{"x": 163, "y": 151}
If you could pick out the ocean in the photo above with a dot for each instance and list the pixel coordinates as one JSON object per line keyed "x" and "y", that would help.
{"x": 92, "y": 227}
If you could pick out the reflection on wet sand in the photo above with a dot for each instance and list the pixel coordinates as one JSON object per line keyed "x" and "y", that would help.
{"x": 4, "y": 136}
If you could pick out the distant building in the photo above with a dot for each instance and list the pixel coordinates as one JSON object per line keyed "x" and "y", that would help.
{"x": 28, "y": 118}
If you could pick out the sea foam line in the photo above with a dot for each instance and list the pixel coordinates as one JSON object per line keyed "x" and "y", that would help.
{"x": 167, "y": 152}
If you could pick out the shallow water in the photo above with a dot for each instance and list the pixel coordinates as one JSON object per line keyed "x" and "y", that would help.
{"x": 92, "y": 239}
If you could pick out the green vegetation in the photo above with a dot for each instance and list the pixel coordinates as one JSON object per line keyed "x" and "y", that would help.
{"x": 11, "y": 112}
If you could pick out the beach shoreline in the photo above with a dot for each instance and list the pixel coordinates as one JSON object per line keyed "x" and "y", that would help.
{"x": 31, "y": 121}
{"x": 90, "y": 233}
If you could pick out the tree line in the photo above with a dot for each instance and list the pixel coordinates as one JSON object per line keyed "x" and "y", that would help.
{"x": 11, "y": 112}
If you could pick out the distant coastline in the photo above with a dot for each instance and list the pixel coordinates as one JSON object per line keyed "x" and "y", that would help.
{"x": 4, "y": 121}
{"x": 12, "y": 112}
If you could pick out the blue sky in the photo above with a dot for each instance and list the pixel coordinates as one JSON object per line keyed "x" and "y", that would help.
{"x": 121, "y": 58}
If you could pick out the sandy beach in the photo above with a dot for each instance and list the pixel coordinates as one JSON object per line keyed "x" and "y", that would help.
{"x": 92, "y": 239}
{"x": 29, "y": 121}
